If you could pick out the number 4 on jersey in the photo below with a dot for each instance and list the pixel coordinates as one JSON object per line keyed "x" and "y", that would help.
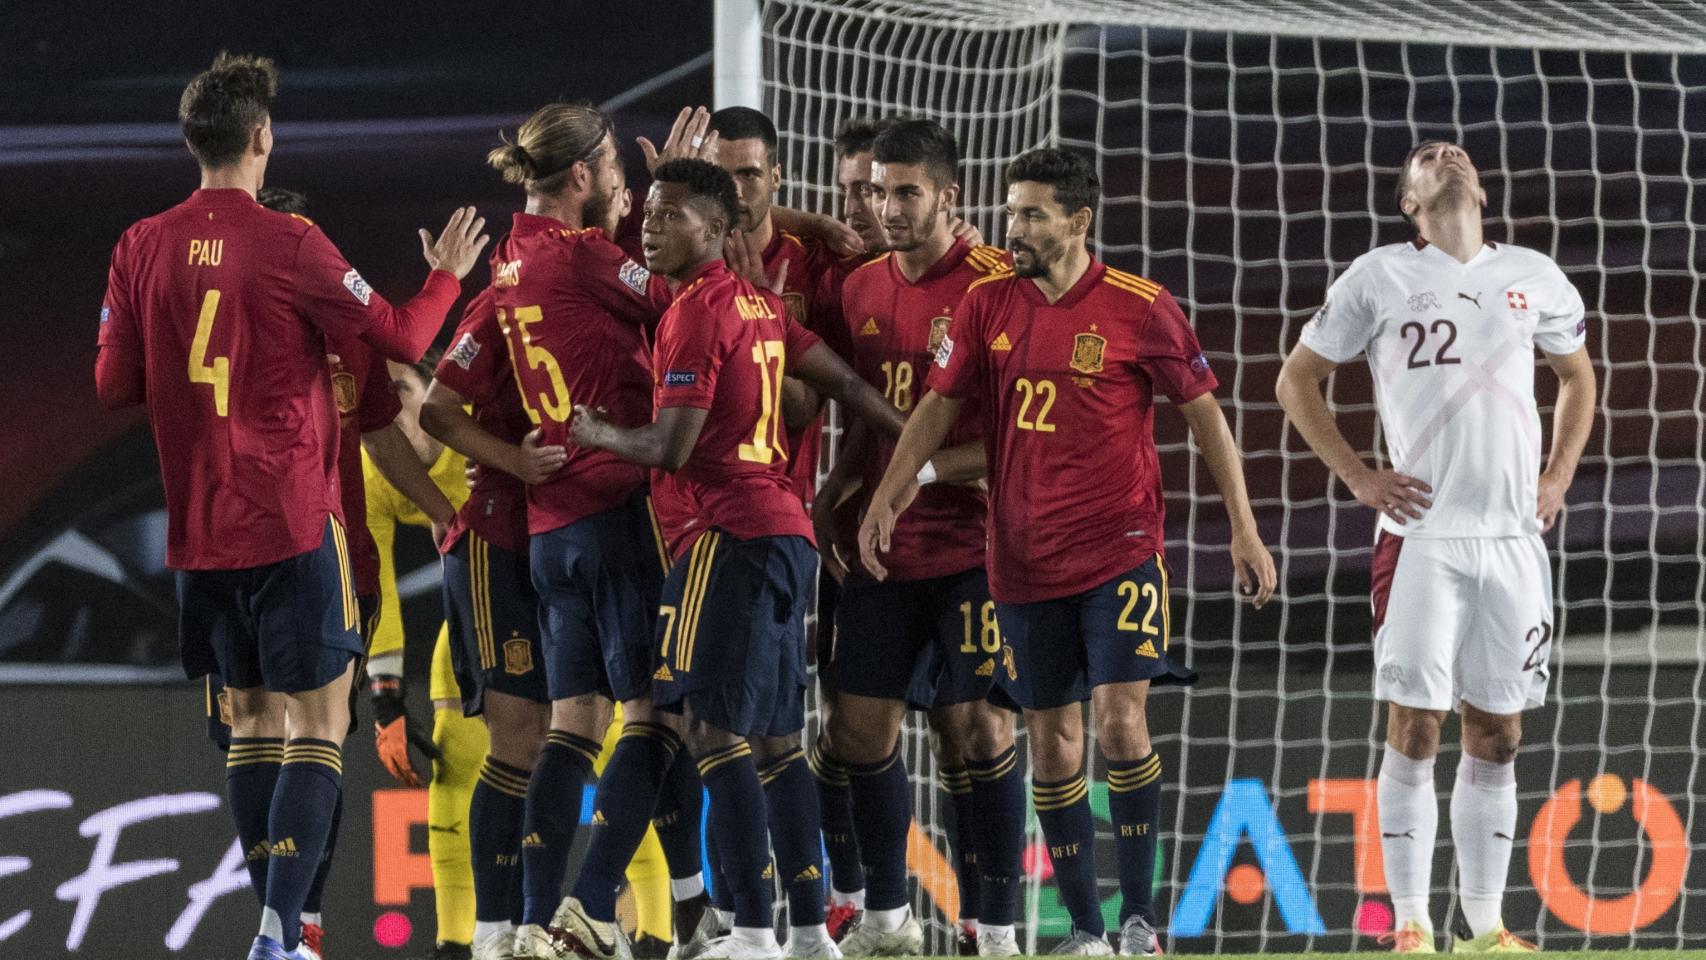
{"x": 218, "y": 373}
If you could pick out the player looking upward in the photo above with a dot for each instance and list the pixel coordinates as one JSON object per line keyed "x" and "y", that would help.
{"x": 935, "y": 601}
{"x": 1462, "y": 590}
{"x": 1062, "y": 356}
{"x": 730, "y": 628}
{"x": 216, "y": 317}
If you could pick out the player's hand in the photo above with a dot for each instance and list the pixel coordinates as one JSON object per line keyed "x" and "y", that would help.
{"x": 962, "y": 230}
{"x": 691, "y": 136}
{"x": 471, "y": 473}
{"x": 1392, "y": 493}
{"x": 1254, "y": 568}
{"x": 823, "y": 530}
{"x": 875, "y": 532}
{"x": 1551, "y": 499}
{"x": 458, "y": 248}
{"x": 394, "y": 732}
{"x": 587, "y": 428}
{"x": 841, "y": 239}
{"x": 745, "y": 256}
{"x": 536, "y": 462}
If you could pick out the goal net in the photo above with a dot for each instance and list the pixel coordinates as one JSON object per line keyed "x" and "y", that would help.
{"x": 1248, "y": 151}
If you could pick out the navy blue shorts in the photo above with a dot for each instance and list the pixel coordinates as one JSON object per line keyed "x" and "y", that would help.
{"x": 1056, "y": 651}
{"x": 494, "y": 623}
{"x": 926, "y": 642}
{"x": 217, "y": 702}
{"x": 598, "y": 581}
{"x": 731, "y": 633}
{"x": 291, "y": 626}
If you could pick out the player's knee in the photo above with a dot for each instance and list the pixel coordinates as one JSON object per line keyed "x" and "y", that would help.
{"x": 1056, "y": 754}
{"x": 1491, "y": 737}
{"x": 1414, "y": 733}
{"x": 990, "y": 734}
{"x": 1123, "y": 735}
{"x": 861, "y": 735}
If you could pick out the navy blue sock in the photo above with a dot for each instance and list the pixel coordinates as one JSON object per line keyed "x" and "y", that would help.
{"x": 622, "y": 809}
{"x": 835, "y": 811}
{"x": 1063, "y": 807}
{"x": 309, "y": 783}
{"x": 324, "y": 870}
{"x": 680, "y": 807}
{"x": 737, "y": 809}
{"x": 251, "y": 777}
{"x": 998, "y": 801}
{"x": 720, "y": 896}
{"x": 495, "y": 813}
{"x": 795, "y": 834}
{"x": 956, "y": 782}
{"x": 553, "y": 814}
{"x": 1134, "y": 804}
{"x": 517, "y": 892}
{"x": 882, "y": 816}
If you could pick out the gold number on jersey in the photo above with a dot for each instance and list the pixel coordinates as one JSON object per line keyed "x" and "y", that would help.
{"x": 666, "y": 613}
{"x": 556, "y": 404}
{"x": 763, "y": 447}
{"x": 897, "y": 383}
{"x": 1131, "y": 591}
{"x": 1043, "y": 391}
{"x": 218, "y": 373}
{"x": 990, "y": 637}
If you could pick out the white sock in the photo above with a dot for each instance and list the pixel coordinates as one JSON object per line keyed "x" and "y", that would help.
{"x": 313, "y": 918}
{"x": 856, "y": 898}
{"x": 1409, "y": 823}
{"x": 271, "y": 925}
{"x": 763, "y": 937}
{"x": 887, "y": 921}
{"x": 1000, "y": 931}
{"x": 805, "y": 936}
{"x": 486, "y": 931}
{"x": 1483, "y": 823}
{"x": 687, "y": 889}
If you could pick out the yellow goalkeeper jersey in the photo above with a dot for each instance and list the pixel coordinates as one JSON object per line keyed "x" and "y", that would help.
{"x": 386, "y": 508}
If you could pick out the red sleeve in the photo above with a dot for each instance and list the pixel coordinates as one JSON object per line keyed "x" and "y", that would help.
{"x": 1168, "y": 351}
{"x": 830, "y": 320}
{"x": 478, "y": 358}
{"x": 334, "y": 297}
{"x": 378, "y": 404}
{"x": 959, "y": 371}
{"x": 688, "y": 358}
{"x": 120, "y": 373}
{"x": 617, "y": 283}
{"x": 797, "y": 340}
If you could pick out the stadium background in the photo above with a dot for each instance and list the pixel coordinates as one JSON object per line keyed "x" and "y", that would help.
{"x": 384, "y": 116}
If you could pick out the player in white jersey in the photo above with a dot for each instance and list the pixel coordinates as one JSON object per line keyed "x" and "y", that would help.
{"x": 1461, "y": 586}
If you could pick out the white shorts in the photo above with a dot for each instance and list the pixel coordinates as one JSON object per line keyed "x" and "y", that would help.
{"x": 1462, "y": 620}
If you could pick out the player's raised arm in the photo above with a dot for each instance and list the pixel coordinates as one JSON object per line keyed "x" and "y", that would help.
{"x": 1299, "y": 392}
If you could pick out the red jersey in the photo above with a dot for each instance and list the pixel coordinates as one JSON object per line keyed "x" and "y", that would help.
{"x": 722, "y": 347}
{"x": 361, "y": 387}
{"x": 573, "y": 309}
{"x": 808, "y": 305}
{"x": 1066, "y": 392}
{"x": 477, "y": 367}
{"x": 216, "y": 315}
{"x": 895, "y": 326}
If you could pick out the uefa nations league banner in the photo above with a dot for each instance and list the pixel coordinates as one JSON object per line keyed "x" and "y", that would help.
{"x": 114, "y": 842}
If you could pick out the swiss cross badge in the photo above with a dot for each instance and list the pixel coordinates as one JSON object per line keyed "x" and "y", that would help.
{"x": 1516, "y": 300}
{"x": 1087, "y": 352}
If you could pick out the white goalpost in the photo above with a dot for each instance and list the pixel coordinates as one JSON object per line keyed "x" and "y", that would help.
{"x": 1247, "y": 150}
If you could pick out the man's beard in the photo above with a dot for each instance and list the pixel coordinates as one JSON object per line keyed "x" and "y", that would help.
{"x": 596, "y": 212}
{"x": 1041, "y": 259}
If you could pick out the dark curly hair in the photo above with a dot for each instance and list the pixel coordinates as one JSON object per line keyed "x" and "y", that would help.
{"x": 223, "y": 105}
{"x": 704, "y": 181}
{"x": 1074, "y": 181}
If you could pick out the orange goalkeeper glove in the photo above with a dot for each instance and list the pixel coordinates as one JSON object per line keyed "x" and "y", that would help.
{"x": 394, "y": 733}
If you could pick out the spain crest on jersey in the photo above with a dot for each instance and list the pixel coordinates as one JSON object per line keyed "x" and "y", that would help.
{"x": 1087, "y": 349}
{"x": 343, "y": 391}
{"x": 796, "y": 306}
{"x": 938, "y": 331}
{"x": 518, "y": 656}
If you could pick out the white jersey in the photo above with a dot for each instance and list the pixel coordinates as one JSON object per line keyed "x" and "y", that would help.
{"x": 1451, "y": 347}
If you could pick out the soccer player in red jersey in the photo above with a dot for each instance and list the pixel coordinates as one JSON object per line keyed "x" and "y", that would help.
{"x": 216, "y": 317}
{"x": 1061, "y": 357}
{"x": 933, "y": 612}
{"x": 731, "y": 641}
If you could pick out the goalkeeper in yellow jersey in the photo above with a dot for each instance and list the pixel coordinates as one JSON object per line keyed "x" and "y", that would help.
{"x": 488, "y": 668}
